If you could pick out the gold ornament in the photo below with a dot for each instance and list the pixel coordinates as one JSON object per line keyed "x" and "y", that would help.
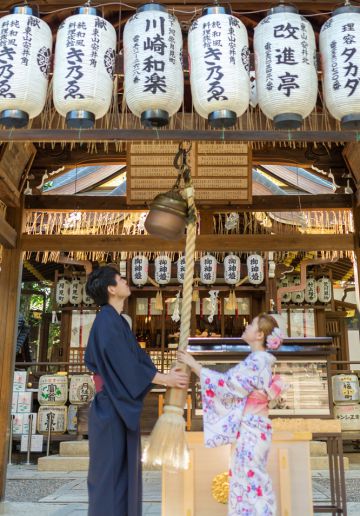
{"x": 220, "y": 488}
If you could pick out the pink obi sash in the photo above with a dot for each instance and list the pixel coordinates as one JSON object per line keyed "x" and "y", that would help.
{"x": 98, "y": 382}
{"x": 258, "y": 400}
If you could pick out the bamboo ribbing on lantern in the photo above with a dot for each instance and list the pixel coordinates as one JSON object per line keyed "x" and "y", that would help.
{"x": 167, "y": 445}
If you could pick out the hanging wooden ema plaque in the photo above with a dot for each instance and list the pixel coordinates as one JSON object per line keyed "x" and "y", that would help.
{"x": 221, "y": 172}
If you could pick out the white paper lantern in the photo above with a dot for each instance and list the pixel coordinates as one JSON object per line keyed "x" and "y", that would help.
{"x": 324, "y": 289}
{"x": 76, "y": 292}
{"x": 84, "y": 67}
{"x": 25, "y": 51}
{"x": 62, "y": 294}
{"x": 232, "y": 269}
{"x": 255, "y": 267}
{"x": 340, "y": 57}
{"x": 286, "y": 67}
{"x": 181, "y": 270}
{"x": 154, "y": 80}
{"x": 208, "y": 269}
{"x": 139, "y": 270}
{"x": 299, "y": 295}
{"x": 311, "y": 295}
{"x": 162, "y": 269}
{"x": 219, "y": 66}
{"x": 285, "y": 298}
{"x": 87, "y": 300}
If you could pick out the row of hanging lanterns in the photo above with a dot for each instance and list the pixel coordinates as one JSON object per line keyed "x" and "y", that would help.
{"x": 315, "y": 290}
{"x": 218, "y": 50}
{"x": 208, "y": 269}
{"x": 73, "y": 292}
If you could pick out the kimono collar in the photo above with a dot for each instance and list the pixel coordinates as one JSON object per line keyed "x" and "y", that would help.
{"x": 268, "y": 357}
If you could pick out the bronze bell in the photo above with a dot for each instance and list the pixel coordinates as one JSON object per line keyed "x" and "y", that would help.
{"x": 167, "y": 216}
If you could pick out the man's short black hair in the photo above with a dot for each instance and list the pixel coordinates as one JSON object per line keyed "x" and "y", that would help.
{"x": 99, "y": 281}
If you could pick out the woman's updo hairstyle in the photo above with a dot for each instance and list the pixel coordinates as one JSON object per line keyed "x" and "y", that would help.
{"x": 270, "y": 328}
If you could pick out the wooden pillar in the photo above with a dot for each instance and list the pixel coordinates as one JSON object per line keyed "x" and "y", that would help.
{"x": 356, "y": 216}
{"x": 10, "y": 282}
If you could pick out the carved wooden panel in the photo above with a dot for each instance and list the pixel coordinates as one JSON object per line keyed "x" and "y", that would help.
{"x": 220, "y": 171}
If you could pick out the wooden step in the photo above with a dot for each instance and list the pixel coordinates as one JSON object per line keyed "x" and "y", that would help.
{"x": 57, "y": 463}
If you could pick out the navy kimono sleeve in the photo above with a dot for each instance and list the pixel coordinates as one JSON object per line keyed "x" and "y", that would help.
{"x": 127, "y": 372}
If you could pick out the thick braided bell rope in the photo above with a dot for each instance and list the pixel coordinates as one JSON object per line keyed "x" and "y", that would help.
{"x": 189, "y": 271}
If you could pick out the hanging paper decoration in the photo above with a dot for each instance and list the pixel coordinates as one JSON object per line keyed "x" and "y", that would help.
{"x": 62, "y": 294}
{"x": 255, "y": 267}
{"x": 87, "y": 300}
{"x": 340, "y": 57}
{"x": 253, "y": 90}
{"x": 139, "y": 270}
{"x": 219, "y": 66}
{"x": 76, "y": 292}
{"x": 25, "y": 50}
{"x": 208, "y": 269}
{"x": 176, "y": 312}
{"x": 286, "y": 67}
{"x": 154, "y": 80}
{"x": 324, "y": 289}
{"x": 84, "y": 68}
{"x": 299, "y": 295}
{"x": 162, "y": 269}
{"x": 286, "y": 298}
{"x": 214, "y": 294}
{"x": 232, "y": 269}
{"x": 181, "y": 269}
{"x": 311, "y": 295}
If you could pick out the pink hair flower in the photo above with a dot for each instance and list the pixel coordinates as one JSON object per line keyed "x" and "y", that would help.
{"x": 274, "y": 340}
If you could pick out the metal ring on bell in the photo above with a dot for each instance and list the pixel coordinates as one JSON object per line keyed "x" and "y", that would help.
{"x": 14, "y": 118}
{"x": 80, "y": 119}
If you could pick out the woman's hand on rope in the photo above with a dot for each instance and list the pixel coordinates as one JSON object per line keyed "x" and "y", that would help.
{"x": 185, "y": 358}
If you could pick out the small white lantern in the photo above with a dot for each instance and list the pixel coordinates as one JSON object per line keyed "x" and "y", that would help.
{"x": 340, "y": 57}
{"x": 25, "y": 51}
{"x": 181, "y": 270}
{"x": 299, "y": 295}
{"x": 208, "y": 269}
{"x": 286, "y": 67}
{"x": 311, "y": 295}
{"x": 324, "y": 288}
{"x": 76, "y": 291}
{"x": 62, "y": 294}
{"x": 139, "y": 270}
{"x": 84, "y": 68}
{"x": 232, "y": 269}
{"x": 219, "y": 66}
{"x": 255, "y": 267}
{"x": 286, "y": 298}
{"x": 87, "y": 300}
{"x": 154, "y": 80}
{"x": 162, "y": 269}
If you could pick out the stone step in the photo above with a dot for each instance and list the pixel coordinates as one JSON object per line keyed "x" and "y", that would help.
{"x": 57, "y": 463}
{"x": 318, "y": 449}
{"x": 74, "y": 448}
{"x": 323, "y": 463}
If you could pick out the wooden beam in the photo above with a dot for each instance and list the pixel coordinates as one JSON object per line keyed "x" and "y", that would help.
{"x": 272, "y": 203}
{"x": 10, "y": 277}
{"x": 110, "y": 135}
{"x": 226, "y": 243}
{"x": 9, "y": 194}
{"x": 8, "y": 234}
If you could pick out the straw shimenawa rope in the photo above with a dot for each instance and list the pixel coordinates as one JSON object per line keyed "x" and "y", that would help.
{"x": 167, "y": 445}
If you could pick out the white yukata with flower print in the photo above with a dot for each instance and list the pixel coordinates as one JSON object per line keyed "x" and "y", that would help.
{"x": 235, "y": 407}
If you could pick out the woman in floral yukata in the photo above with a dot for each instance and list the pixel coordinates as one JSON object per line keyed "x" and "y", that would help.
{"x": 235, "y": 407}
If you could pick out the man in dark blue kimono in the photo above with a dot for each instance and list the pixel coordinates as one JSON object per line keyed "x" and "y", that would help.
{"x": 124, "y": 374}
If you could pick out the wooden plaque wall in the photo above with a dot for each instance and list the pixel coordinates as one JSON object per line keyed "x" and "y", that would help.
{"x": 221, "y": 171}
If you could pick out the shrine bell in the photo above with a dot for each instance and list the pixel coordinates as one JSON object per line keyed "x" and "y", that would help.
{"x": 167, "y": 216}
